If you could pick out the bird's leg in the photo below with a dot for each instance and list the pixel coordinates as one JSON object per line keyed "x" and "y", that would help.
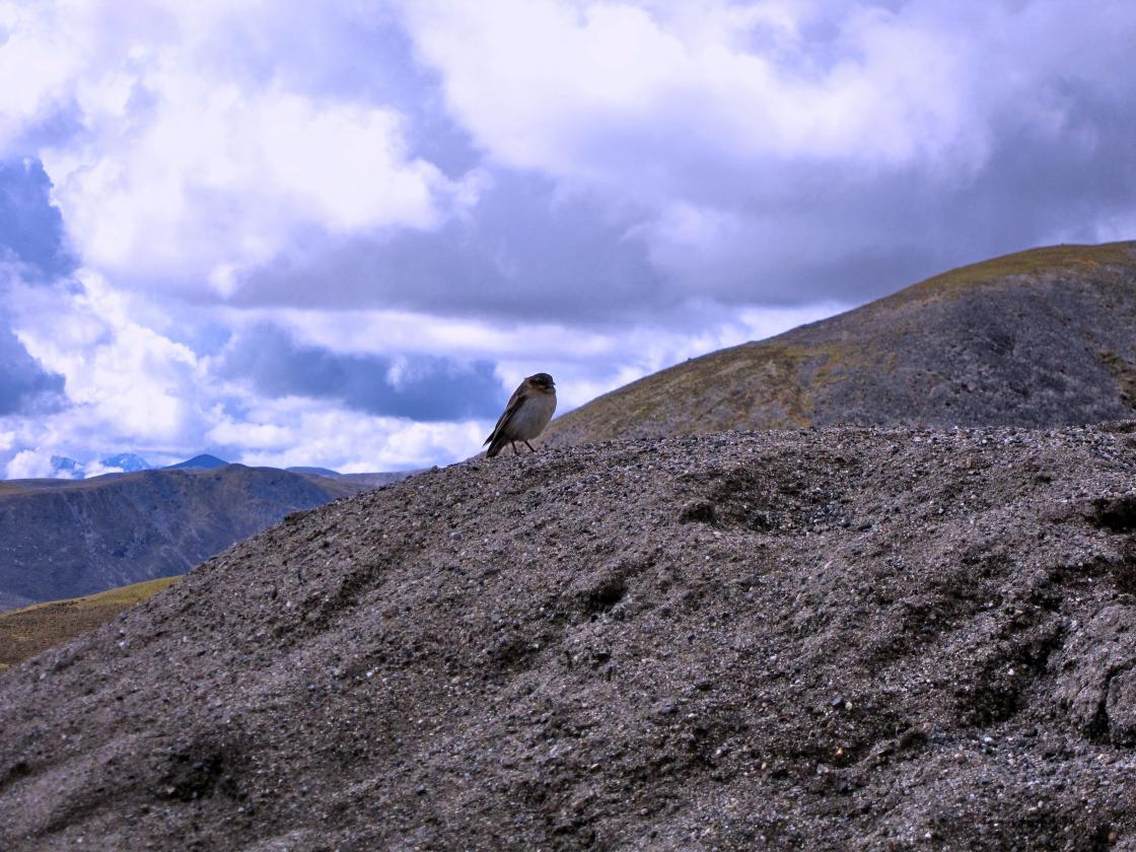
{"x": 514, "y": 443}
{"x": 530, "y": 446}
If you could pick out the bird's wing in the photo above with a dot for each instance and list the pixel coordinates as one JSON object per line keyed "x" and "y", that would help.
{"x": 511, "y": 407}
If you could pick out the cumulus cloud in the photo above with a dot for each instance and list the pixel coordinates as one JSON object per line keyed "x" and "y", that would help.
{"x": 121, "y": 375}
{"x": 30, "y": 464}
{"x": 216, "y": 181}
{"x": 621, "y": 72}
{"x": 787, "y": 151}
{"x": 656, "y": 98}
{"x": 133, "y": 387}
{"x": 551, "y": 158}
{"x": 303, "y": 433}
{"x": 192, "y": 158}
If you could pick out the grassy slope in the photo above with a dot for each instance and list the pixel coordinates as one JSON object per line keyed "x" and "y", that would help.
{"x": 1084, "y": 258}
{"x": 26, "y": 632}
{"x": 768, "y": 372}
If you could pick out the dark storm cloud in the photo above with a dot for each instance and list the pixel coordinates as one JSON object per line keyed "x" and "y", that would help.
{"x": 824, "y": 232}
{"x": 1035, "y": 188}
{"x": 427, "y": 388}
{"x": 31, "y": 227}
{"x": 781, "y": 231}
{"x": 31, "y": 238}
{"x": 25, "y": 387}
{"x": 526, "y": 251}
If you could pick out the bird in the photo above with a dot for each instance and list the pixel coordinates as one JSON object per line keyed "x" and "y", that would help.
{"x": 526, "y": 414}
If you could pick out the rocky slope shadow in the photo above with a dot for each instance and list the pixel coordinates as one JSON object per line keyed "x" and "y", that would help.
{"x": 837, "y": 639}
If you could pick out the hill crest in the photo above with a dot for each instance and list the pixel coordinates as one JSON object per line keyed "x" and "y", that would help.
{"x": 1045, "y": 337}
{"x": 839, "y": 638}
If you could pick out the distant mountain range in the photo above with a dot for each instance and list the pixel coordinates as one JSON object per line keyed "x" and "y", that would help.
{"x": 376, "y": 480}
{"x": 201, "y": 462}
{"x": 63, "y": 538}
{"x": 1041, "y": 338}
{"x": 127, "y": 462}
{"x": 64, "y": 467}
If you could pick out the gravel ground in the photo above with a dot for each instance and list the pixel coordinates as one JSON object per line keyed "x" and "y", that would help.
{"x": 825, "y": 639}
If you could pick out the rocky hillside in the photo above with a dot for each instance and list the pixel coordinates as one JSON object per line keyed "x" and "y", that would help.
{"x": 1041, "y": 338}
{"x": 821, "y": 639}
{"x": 62, "y": 539}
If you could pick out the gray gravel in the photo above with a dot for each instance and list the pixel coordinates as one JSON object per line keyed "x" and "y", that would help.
{"x": 830, "y": 639}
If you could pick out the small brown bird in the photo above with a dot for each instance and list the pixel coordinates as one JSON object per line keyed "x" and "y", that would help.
{"x": 526, "y": 414}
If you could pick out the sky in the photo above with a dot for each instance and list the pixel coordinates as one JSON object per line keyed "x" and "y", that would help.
{"x": 340, "y": 233}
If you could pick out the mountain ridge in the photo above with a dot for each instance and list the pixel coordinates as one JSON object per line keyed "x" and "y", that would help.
{"x": 67, "y": 538}
{"x": 202, "y": 461}
{"x": 1040, "y": 338}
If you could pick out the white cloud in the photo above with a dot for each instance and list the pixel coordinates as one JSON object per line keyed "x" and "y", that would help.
{"x": 213, "y": 179}
{"x": 191, "y": 162}
{"x": 620, "y": 91}
{"x": 262, "y": 437}
{"x": 134, "y": 388}
{"x": 292, "y": 431}
{"x": 38, "y": 54}
{"x": 97, "y": 468}
{"x": 30, "y": 464}
{"x": 837, "y": 130}
{"x": 123, "y": 377}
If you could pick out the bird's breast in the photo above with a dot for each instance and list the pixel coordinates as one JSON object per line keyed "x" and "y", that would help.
{"x": 533, "y": 416}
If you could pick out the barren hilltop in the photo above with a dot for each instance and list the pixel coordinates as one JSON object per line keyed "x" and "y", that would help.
{"x": 1045, "y": 337}
{"x": 823, "y": 639}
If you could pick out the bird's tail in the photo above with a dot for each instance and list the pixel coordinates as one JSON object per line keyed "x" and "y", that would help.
{"x": 495, "y": 443}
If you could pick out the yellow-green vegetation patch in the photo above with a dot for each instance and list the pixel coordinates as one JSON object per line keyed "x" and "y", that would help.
{"x": 28, "y": 631}
{"x": 771, "y": 382}
{"x": 1080, "y": 258}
